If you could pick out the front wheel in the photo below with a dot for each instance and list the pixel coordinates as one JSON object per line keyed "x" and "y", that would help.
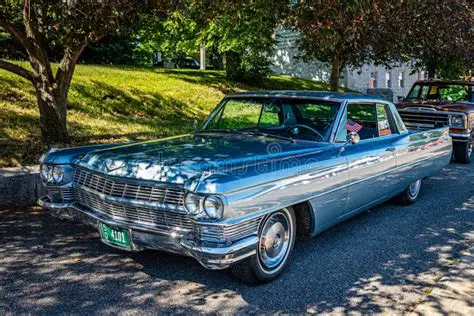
{"x": 276, "y": 241}
{"x": 410, "y": 194}
{"x": 463, "y": 152}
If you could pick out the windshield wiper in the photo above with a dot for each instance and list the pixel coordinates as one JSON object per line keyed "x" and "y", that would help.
{"x": 245, "y": 132}
{"x": 227, "y": 131}
{"x": 259, "y": 133}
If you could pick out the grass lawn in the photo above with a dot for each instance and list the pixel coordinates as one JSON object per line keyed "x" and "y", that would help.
{"x": 116, "y": 103}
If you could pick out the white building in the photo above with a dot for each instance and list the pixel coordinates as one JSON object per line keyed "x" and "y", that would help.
{"x": 398, "y": 79}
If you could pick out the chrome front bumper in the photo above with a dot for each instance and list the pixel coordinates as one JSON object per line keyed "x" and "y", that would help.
{"x": 144, "y": 237}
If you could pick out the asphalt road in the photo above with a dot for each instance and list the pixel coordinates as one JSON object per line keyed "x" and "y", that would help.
{"x": 385, "y": 260}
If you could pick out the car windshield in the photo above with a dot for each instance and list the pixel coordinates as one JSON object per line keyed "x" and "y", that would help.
{"x": 293, "y": 119}
{"x": 443, "y": 92}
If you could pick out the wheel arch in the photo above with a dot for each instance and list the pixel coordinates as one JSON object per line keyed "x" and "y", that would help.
{"x": 304, "y": 215}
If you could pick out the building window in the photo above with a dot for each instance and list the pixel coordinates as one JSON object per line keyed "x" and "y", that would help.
{"x": 388, "y": 80}
{"x": 401, "y": 79}
{"x": 373, "y": 80}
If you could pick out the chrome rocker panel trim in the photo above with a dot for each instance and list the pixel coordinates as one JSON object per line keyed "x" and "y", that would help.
{"x": 145, "y": 237}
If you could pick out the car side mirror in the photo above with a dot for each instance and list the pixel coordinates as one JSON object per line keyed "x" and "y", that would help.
{"x": 353, "y": 138}
{"x": 401, "y": 99}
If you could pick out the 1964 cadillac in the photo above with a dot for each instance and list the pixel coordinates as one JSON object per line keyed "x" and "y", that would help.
{"x": 264, "y": 169}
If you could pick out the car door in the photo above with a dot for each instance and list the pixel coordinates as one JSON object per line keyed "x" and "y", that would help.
{"x": 372, "y": 161}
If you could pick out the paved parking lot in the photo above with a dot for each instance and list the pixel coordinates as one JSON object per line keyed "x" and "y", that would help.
{"x": 388, "y": 259}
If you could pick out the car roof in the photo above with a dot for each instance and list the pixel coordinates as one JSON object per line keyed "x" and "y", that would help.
{"x": 336, "y": 96}
{"x": 446, "y": 82}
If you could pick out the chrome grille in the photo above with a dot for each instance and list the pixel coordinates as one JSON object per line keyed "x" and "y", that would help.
{"x": 228, "y": 234}
{"x": 59, "y": 195}
{"x": 159, "y": 218}
{"x": 424, "y": 120}
{"x": 147, "y": 193}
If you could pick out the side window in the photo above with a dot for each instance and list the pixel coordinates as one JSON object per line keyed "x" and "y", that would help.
{"x": 362, "y": 119}
{"x": 424, "y": 92}
{"x": 368, "y": 120}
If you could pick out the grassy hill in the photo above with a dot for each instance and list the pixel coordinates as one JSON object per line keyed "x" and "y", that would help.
{"x": 111, "y": 103}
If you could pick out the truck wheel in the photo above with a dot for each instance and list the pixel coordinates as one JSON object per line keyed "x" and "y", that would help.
{"x": 463, "y": 152}
{"x": 276, "y": 241}
{"x": 410, "y": 194}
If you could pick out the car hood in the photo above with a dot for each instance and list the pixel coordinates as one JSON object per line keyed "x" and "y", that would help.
{"x": 179, "y": 159}
{"x": 465, "y": 107}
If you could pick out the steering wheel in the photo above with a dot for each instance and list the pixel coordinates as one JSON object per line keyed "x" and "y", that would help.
{"x": 308, "y": 128}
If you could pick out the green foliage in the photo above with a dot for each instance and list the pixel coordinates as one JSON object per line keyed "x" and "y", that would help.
{"x": 9, "y": 48}
{"x": 112, "y": 104}
{"x": 241, "y": 31}
{"x": 334, "y": 28}
{"x": 117, "y": 51}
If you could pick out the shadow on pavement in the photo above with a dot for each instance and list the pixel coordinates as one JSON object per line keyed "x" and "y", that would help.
{"x": 385, "y": 260}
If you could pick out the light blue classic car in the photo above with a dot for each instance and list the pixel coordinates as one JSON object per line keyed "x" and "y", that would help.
{"x": 264, "y": 169}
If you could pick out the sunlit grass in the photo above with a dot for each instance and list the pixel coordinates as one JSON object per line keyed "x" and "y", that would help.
{"x": 111, "y": 103}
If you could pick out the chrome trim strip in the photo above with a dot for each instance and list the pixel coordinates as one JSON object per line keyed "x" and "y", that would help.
{"x": 244, "y": 243}
{"x": 46, "y": 203}
{"x": 467, "y": 135}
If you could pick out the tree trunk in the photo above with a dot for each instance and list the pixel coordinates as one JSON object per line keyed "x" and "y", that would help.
{"x": 52, "y": 108}
{"x": 335, "y": 72}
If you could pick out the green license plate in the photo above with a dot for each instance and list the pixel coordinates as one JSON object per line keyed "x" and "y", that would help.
{"x": 115, "y": 236}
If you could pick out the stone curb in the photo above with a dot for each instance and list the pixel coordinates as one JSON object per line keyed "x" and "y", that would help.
{"x": 20, "y": 186}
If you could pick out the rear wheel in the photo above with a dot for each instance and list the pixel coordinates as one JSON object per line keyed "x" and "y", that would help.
{"x": 463, "y": 152}
{"x": 276, "y": 241}
{"x": 410, "y": 194}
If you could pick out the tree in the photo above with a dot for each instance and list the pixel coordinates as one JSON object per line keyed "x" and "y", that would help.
{"x": 334, "y": 31}
{"x": 43, "y": 27}
{"x": 241, "y": 31}
{"x": 440, "y": 36}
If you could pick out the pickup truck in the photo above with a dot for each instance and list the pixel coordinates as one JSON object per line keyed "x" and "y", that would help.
{"x": 264, "y": 169}
{"x": 438, "y": 103}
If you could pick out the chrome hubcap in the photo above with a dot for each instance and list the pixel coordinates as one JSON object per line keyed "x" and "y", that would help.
{"x": 274, "y": 240}
{"x": 414, "y": 188}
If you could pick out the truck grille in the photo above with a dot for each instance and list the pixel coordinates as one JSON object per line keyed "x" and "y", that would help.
{"x": 165, "y": 220}
{"x": 147, "y": 193}
{"x": 424, "y": 120}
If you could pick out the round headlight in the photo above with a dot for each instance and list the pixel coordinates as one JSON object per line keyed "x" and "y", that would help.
{"x": 213, "y": 207}
{"x": 57, "y": 174}
{"x": 191, "y": 203}
{"x": 457, "y": 121}
{"x": 45, "y": 172}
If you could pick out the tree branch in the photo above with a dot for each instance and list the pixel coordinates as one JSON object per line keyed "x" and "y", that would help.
{"x": 18, "y": 70}
{"x": 66, "y": 69}
{"x": 17, "y": 34}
